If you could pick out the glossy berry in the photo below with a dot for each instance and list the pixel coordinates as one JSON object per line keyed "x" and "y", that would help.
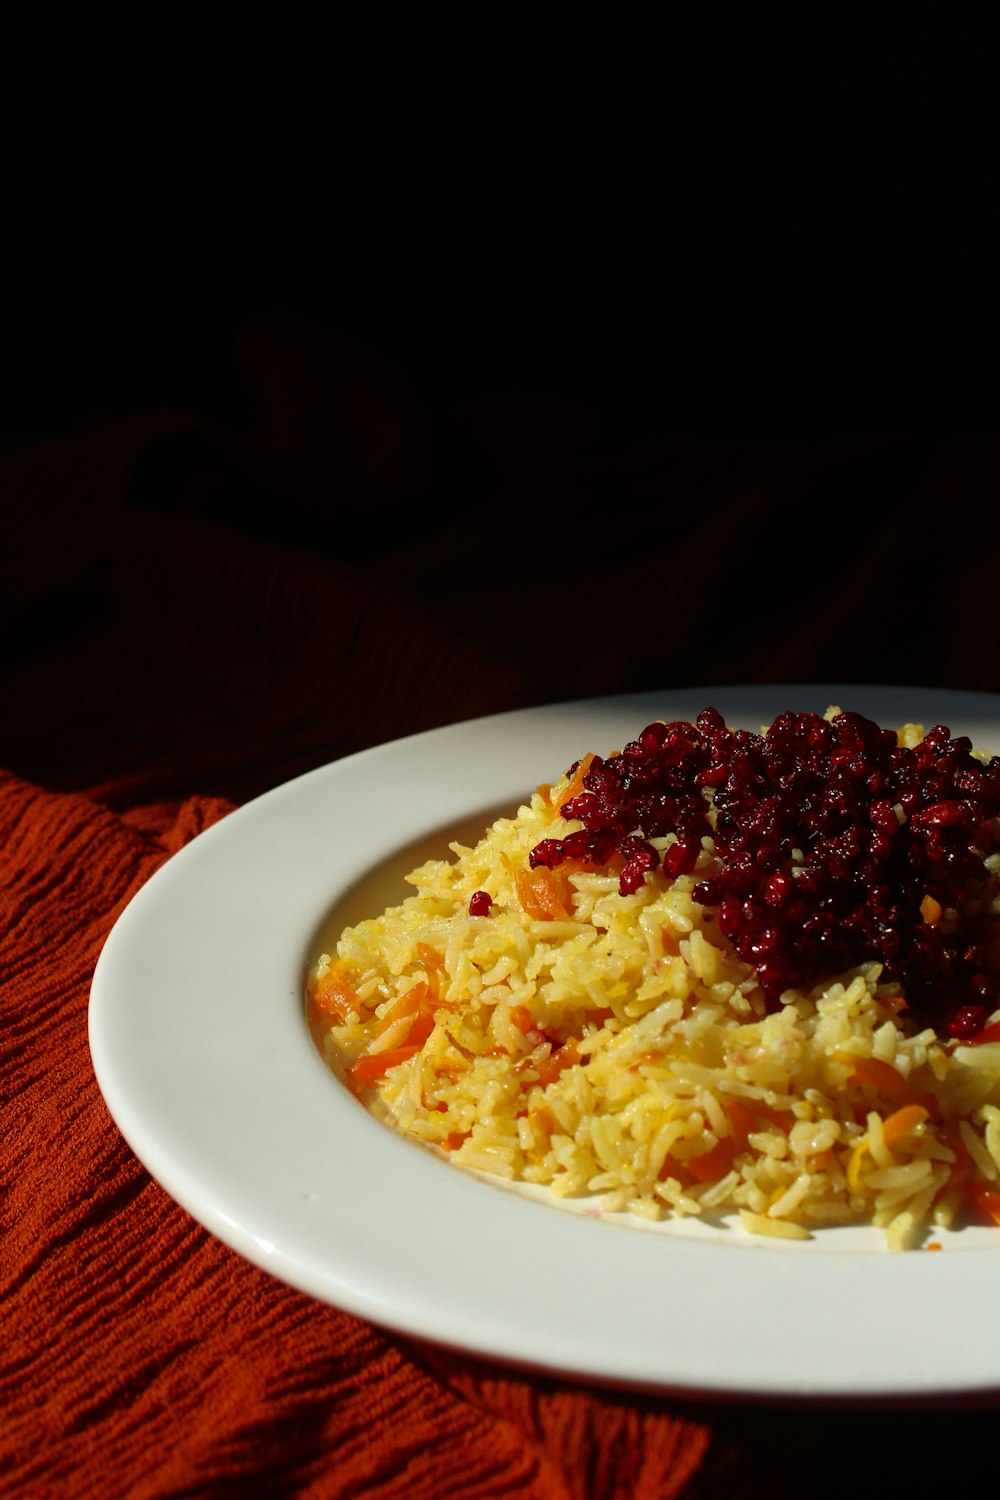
{"x": 833, "y": 846}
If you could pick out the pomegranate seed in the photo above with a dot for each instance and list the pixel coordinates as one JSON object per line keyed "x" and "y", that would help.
{"x": 829, "y": 791}
{"x": 967, "y": 1022}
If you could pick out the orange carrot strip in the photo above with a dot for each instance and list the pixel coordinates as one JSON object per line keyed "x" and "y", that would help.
{"x": 674, "y": 1168}
{"x": 550, "y": 1067}
{"x": 879, "y": 1075}
{"x": 373, "y": 1065}
{"x": 334, "y": 997}
{"x": 902, "y": 1122}
{"x": 542, "y": 894}
{"x": 420, "y": 1029}
{"x": 742, "y": 1122}
{"x": 598, "y": 1017}
{"x": 576, "y": 785}
{"x": 745, "y": 1117}
{"x": 406, "y": 1005}
{"x": 984, "y": 1201}
{"x": 963, "y": 1168}
{"x": 715, "y": 1163}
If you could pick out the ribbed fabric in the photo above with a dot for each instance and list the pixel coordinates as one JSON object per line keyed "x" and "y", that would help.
{"x": 140, "y": 1357}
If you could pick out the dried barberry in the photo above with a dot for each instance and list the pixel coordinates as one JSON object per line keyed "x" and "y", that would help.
{"x": 829, "y": 837}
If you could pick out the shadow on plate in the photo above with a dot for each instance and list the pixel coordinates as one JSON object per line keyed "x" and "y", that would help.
{"x": 385, "y": 884}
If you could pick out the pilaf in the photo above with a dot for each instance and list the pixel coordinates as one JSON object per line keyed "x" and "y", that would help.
{"x": 572, "y": 1003}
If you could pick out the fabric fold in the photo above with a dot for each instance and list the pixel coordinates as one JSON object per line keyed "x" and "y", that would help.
{"x": 143, "y": 1357}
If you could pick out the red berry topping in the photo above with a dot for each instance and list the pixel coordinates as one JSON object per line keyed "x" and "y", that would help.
{"x": 834, "y": 842}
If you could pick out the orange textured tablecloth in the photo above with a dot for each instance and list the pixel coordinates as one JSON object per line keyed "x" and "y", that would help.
{"x": 196, "y": 610}
{"x": 140, "y": 1356}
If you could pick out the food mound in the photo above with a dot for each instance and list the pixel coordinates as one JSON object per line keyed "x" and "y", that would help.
{"x": 715, "y": 972}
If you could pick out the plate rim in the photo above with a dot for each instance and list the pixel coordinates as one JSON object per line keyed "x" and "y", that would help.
{"x": 196, "y": 1186}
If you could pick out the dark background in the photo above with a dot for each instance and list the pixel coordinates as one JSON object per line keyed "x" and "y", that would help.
{"x": 617, "y": 359}
{"x": 719, "y": 224}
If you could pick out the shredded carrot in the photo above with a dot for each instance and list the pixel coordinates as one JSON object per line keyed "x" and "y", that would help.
{"x": 557, "y": 1062}
{"x": 373, "y": 1065}
{"x": 526, "y": 1024}
{"x": 742, "y": 1121}
{"x": 745, "y": 1117}
{"x": 964, "y": 1167}
{"x": 878, "y": 1075}
{"x": 421, "y": 1028}
{"x": 576, "y": 785}
{"x": 334, "y": 997}
{"x": 429, "y": 956}
{"x": 598, "y": 1017}
{"x": 674, "y": 1168}
{"x": 902, "y": 1123}
{"x": 406, "y": 1005}
{"x": 984, "y": 1202}
{"x": 543, "y": 895}
{"x": 784, "y": 1119}
{"x": 713, "y": 1164}
{"x": 418, "y": 1002}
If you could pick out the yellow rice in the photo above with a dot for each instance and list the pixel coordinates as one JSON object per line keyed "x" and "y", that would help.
{"x": 624, "y": 1053}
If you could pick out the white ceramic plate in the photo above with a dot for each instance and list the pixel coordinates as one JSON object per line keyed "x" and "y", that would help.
{"x": 201, "y": 1049}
